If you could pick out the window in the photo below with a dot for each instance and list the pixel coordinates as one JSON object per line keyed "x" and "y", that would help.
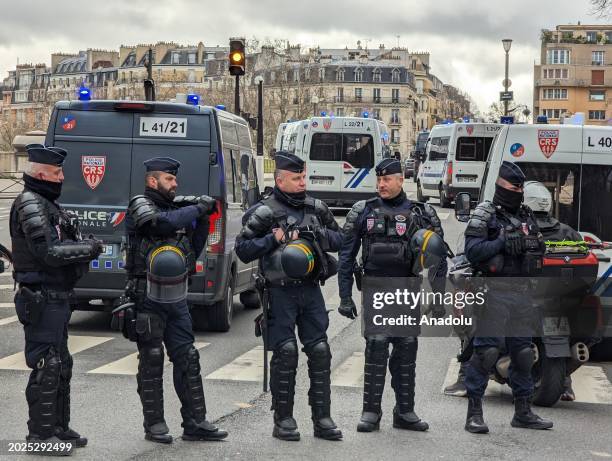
{"x": 228, "y": 132}
{"x": 395, "y": 76}
{"x": 228, "y": 173}
{"x": 356, "y": 149}
{"x": 473, "y": 149}
{"x": 340, "y": 94}
{"x": 307, "y": 73}
{"x": 340, "y": 75}
{"x": 597, "y": 95}
{"x": 395, "y": 137}
{"x": 395, "y": 116}
{"x": 296, "y": 75}
{"x": 237, "y": 178}
{"x": 322, "y": 73}
{"x": 609, "y": 37}
{"x": 557, "y": 56}
{"x": 439, "y": 148}
{"x": 176, "y": 57}
{"x": 591, "y": 37}
{"x": 555, "y": 73}
{"x": 419, "y": 86}
{"x": 376, "y": 114}
{"x": 191, "y": 58}
{"x": 395, "y": 95}
{"x": 597, "y": 115}
{"x": 376, "y": 94}
{"x": 359, "y": 75}
{"x": 554, "y": 93}
{"x": 553, "y": 113}
{"x": 598, "y": 58}
{"x": 377, "y": 75}
{"x": 244, "y": 137}
{"x": 358, "y": 94}
{"x": 340, "y": 112}
{"x": 594, "y": 217}
{"x": 597, "y": 77}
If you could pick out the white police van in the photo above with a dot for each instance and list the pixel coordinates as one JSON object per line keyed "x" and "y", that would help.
{"x": 575, "y": 163}
{"x": 340, "y": 155}
{"x": 456, "y": 156}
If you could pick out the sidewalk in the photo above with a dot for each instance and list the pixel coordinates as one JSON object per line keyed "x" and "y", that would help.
{"x": 10, "y": 187}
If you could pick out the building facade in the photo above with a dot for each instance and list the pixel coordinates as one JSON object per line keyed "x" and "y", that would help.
{"x": 575, "y": 73}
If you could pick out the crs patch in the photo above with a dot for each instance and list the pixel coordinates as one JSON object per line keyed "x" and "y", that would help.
{"x": 400, "y": 228}
{"x": 327, "y": 124}
{"x": 369, "y": 223}
{"x": 93, "y": 168}
{"x": 548, "y": 141}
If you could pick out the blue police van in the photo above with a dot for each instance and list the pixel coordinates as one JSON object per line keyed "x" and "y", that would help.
{"x": 107, "y": 142}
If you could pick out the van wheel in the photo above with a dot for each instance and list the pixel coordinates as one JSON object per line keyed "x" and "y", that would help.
{"x": 444, "y": 201}
{"x": 549, "y": 378}
{"x": 219, "y": 315}
{"x": 420, "y": 196}
{"x": 250, "y": 299}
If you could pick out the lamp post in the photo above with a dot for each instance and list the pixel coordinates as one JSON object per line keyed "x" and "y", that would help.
{"x": 260, "y": 133}
{"x": 507, "y": 42}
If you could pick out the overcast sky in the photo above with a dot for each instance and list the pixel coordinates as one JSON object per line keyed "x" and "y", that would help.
{"x": 463, "y": 36}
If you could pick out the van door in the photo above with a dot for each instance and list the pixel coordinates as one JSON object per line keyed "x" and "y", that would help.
{"x": 324, "y": 168}
{"x": 471, "y": 154}
{"x": 435, "y": 166}
{"x": 357, "y": 162}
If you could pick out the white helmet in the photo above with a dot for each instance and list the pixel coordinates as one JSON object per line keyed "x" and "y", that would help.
{"x": 537, "y": 197}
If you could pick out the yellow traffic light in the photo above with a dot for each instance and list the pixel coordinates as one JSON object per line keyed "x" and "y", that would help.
{"x": 237, "y": 57}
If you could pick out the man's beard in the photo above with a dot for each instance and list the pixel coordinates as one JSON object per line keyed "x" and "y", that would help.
{"x": 169, "y": 193}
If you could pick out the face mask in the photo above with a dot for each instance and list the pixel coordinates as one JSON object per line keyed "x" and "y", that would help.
{"x": 294, "y": 199}
{"x": 507, "y": 199}
{"x": 49, "y": 190}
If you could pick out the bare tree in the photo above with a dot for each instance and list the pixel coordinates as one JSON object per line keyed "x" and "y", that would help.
{"x": 601, "y": 8}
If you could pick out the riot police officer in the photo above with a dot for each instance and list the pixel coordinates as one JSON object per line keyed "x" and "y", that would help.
{"x": 502, "y": 240}
{"x": 386, "y": 223}
{"x": 290, "y": 233}
{"x": 165, "y": 234}
{"x": 49, "y": 257}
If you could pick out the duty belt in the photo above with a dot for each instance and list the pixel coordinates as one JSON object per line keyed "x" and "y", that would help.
{"x": 291, "y": 283}
{"x": 50, "y": 294}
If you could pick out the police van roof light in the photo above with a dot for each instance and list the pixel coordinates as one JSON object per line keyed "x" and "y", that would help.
{"x": 220, "y": 107}
{"x": 323, "y": 114}
{"x": 542, "y": 119}
{"x": 365, "y": 114}
{"x": 84, "y": 94}
{"x": 193, "y": 99}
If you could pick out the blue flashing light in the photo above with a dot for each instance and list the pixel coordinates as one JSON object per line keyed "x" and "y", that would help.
{"x": 84, "y": 94}
{"x": 323, "y": 114}
{"x": 542, "y": 119}
{"x": 193, "y": 99}
{"x": 466, "y": 119}
{"x": 365, "y": 114}
{"x": 220, "y": 107}
{"x": 447, "y": 122}
{"x": 506, "y": 119}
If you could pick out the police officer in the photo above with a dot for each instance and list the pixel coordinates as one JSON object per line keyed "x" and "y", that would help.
{"x": 539, "y": 199}
{"x": 165, "y": 234}
{"x": 273, "y": 230}
{"x": 502, "y": 239}
{"x": 401, "y": 217}
{"x": 49, "y": 257}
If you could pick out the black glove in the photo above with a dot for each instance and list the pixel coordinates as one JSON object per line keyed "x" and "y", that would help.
{"x": 347, "y": 308}
{"x": 206, "y": 205}
{"x": 97, "y": 247}
{"x": 515, "y": 243}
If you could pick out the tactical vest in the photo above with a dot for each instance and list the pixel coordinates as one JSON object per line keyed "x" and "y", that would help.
{"x": 141, "y": 245}
{"x": 282, "y": 219}
{"x": 386, "y": 243}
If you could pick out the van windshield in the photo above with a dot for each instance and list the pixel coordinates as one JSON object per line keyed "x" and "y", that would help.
{"x": 421, "y": 141}
{"x": 581, "y": 194}
{"x": 474, "y": 149}
{"x": 439, "y": 148}
{"x": 356, "y": 149}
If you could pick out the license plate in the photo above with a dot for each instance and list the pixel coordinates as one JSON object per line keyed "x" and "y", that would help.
{"x": 108, "y": 250}
{"x": 556, "y": 326}
{"x": 325, "y": 182}
{"x": 163, "y": 127}
{"x": 466, "y": 178}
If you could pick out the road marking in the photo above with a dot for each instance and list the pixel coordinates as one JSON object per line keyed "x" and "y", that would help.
{"x": 247, "y": 367}
{"x": 443, "y": 215}
{"x": 128, "y": 365}
{"x": 6, "y": 274}
{"x": 5, "y": 305}
{"x": 3, "y": 216}
{"x": 589, "y": 382}
{"x": 7, "y": 320}
{"x": 7, "y": 287}
{"x": 350, "y": 372}
{"x": 76, "y": 344}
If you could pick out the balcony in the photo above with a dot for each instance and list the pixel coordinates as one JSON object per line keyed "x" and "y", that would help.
{"x": 374, "y": 100}
{"x": 395, "y": 121}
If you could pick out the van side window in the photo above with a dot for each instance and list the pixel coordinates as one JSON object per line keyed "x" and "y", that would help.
{"x": 228, "y": 131}
{"x": 326, "y": 147}
{"x": 236, "y": 176}
{"x": 228, "y": 172}
{"x": 439, "y": 148}
{"x": 474, "y": 149}
{"x": 244, "y": 138}
{"x": 358, "y": 150}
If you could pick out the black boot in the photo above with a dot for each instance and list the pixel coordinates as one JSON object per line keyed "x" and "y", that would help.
{"x": 283, "y": 368}
{"x": 41, "y": 394}
{"x": 64, "y": 432}
{"x": 474, "y": 422}
{"x": 374, "y": 373}
{"x": 319, "y": 395}
{"x": 151, "y": 391}
{"x": 403, "y": 376}
{"x": 525, "y": 418}
{"x": 458, "y": 388}
{"x": 188, "y": 385}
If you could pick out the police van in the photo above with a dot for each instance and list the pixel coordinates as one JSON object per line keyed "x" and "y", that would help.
{"x": 575, "y": 163}
{"x": 340, "y": 155}
{"x": 107, "y": 142}
{"x": 455, "y": 160}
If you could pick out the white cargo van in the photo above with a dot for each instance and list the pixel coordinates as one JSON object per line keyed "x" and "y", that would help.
{"x": 340, "y": 155}
{"x": 456, "y": 156}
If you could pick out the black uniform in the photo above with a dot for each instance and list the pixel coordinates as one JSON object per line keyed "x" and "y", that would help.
{"x": 294, "y": 302}
{"x": 154, "y": 220}
{"x": 49, "y": 257}
{"x": 503, "y": 240}
{"x": 384, "y": 227}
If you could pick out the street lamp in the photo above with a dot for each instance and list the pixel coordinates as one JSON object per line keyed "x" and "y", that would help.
{"x": 259, "y": 82}
{"x": 507, "y": 42}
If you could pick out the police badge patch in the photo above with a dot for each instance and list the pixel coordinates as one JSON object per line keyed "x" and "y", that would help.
{"x": 369, "y": 223}
{"x": 400, "y": 228}
{"x": 525, "y": 228}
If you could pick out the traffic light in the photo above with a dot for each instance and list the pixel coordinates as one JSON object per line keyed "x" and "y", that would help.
{"x": 236, "y": 56}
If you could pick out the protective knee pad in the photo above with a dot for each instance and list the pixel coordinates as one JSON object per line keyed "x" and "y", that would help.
{"x": 42, "y": 395}
{"x": 282, "y": 377}
{"x": 405, "y": 349}
{"x": 377, "y": 347}
{"x": 151, "y": 363}
{"x": 287, "y": 354}
{"x": 523, "y": 359}
{"x": 319, "y": 354}
{"x": 487, "y": 356}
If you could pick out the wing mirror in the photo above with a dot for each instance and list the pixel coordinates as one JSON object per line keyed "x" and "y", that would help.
{"x": 463, "y": 205}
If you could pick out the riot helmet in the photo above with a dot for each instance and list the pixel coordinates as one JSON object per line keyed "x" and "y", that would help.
{"x": 294, "y": 260}
{"x": 167, "y": 276}
{"x": 429, "y": 250}
{"x": 537, "y": 197}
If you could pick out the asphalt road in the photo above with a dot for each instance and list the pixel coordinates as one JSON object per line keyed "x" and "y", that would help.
{"x": 106, "y": 408}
